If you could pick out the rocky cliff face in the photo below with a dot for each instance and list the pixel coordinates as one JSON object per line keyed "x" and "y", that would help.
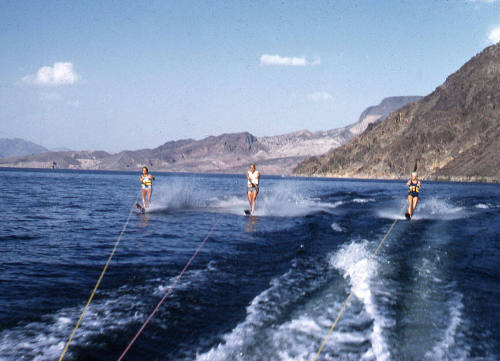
{"x": 454, "y": 133}
{"x": 304, "y": 142}
{"x": 380, "y": 112}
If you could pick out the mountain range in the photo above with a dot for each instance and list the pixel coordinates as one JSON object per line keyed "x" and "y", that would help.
{"x": 229, "y": 153}
{"x": 18, "y": 146}
{"x": 452, "y": 133}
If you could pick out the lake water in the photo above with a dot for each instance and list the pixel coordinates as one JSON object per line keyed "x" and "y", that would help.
{"x": 266, "y": 287}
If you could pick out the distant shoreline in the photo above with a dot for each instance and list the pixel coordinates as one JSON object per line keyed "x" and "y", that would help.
{"x": 451, "y": 179}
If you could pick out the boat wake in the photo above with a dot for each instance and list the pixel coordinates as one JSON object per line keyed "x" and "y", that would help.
{"x": 289, "y": 320}
{"x": 274, "y": 201}
{"x": 431, "y": 208}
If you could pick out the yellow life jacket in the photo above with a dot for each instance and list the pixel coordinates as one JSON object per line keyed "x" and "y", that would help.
{"x": 147, "y": 180}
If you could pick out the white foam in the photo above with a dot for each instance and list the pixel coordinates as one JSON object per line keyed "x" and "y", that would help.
{"x": 275, "y": 205}
{"x": 234, "y": 342}
{"x": 396, "y": 211}
{"x": 45, "y": 340}
{"x": 263, "y": 335}
{"x": 434, "y": 208}
{"x": 232, "y": 205}
{"x": 285, "y": 322}
{"x": 336, "y": 227}
{"x": 354, "y": 261}
{"x": 363, "y": 200}
{"x": 212, "y": 266}
{"x": 482, "y": 206}
{"x": 436, "y": 308}
{"x": 276, "y": 202}
{"x": 175, "y": 195}
{"x": 445, "y": 346}
{"x": 114, "y": 310}
{"x": 296, "y": 340}
{"x": 427, "y": 208}
{"x": 299, "y": 339}
{"x": 189, "y": 277}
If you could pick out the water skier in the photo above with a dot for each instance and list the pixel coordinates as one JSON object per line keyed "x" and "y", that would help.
{"x": 253, "y": 187}
{"x": 413, "y": 192}
{"x": 146, "y": 180}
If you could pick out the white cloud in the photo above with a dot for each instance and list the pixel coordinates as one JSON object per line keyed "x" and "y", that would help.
{"x": 268, "y": 59}
{"x": 494, "y": 35}
{"x": 320, "y": 97}
{"x": 58, "y": 74}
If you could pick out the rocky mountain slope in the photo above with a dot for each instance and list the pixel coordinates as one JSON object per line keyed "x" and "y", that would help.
{"x": 224, "y": 153}
{"x": 17, "y": 146}
{"x": 454, "y": 133}
{"x": 380, "y": 112}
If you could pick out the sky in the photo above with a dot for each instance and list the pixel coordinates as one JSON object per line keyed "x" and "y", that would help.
{"x": 116, "y": 75}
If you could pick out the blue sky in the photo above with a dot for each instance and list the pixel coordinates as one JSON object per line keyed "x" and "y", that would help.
{"x": 117, "y": 75}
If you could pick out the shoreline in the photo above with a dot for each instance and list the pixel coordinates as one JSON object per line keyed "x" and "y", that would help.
{"x": 431, "y": 178}
{"x": 451, "y": 179}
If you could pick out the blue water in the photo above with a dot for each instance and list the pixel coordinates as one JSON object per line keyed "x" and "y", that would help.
{"x": 262, "y": 288}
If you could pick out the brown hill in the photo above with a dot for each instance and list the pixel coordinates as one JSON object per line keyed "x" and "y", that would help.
{"x": 454, "y": 133}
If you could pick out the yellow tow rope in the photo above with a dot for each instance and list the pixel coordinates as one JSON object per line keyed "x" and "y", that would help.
{"x": 98, "y": 282}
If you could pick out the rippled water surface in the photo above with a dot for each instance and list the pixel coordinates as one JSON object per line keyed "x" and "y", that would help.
{"x": 266, "y": 287}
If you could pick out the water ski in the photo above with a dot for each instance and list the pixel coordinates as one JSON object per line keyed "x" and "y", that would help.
{"x": 247, "y": 212}
{"x": 141, "y": 208}
{"x": 407, "y": 215}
